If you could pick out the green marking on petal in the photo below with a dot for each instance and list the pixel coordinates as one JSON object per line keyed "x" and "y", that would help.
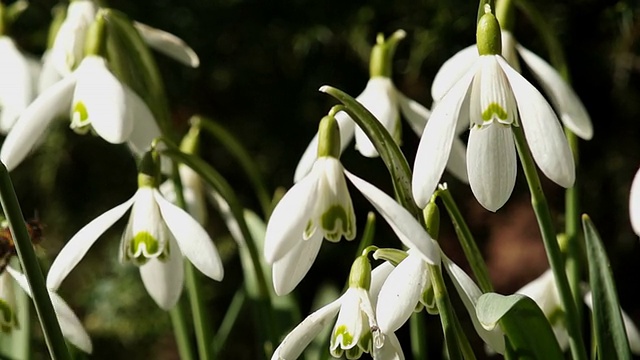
{"x": 354, "y": 353}
{"x": 494, "y": 109}
{"x": 309, "y": 230}
{"x": 335, "y": 222}
{"x": 347, "y": 338}
{"x": 80, "y": 118}
{"x": 8, "y": 319}
{"x": 142, "y": 245}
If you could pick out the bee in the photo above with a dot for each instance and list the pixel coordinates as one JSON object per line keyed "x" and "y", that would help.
{"x": 8, "y": 247}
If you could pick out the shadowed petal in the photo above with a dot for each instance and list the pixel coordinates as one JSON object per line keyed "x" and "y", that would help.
{"x": 77, "y": 247}
{"x": 571, "y": 110}
{"x": 145, "y": 127}
{"x": 70, "y": 325}
{"x": 289, "y": 218}
{"x": 452, "y": 70}
{"x": 378, "y": 277}
{"x": 299, "y": 338}
{"x": 379, "y": 97}
{"x": 416, "y": 114}
{"x": 347, "y": 128}
{"x": 634, "y": 204}
{"x": 403, "y": 224}
{"x": 457, "y": 163}
{"x": 163, "y": 280}
{"x": 168, "y": 44}
{"x": 48, "y": 75}
{"x": 491, "y": 163}
{"x": 436, "y": 141}
{"x": 390, "y": 350}
{"x": 544, "y": 134}
{"x": 34, "y": 121}
{"x": 400, "y": 293}
{"x": 193, "y": 240}
{"x": 289, "y": 270}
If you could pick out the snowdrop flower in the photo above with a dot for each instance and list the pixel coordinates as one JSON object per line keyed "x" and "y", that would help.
{"x": 493, "y": 97}
{"x": 96, "y": 100}
{"x": 156, "y": 238}
{"x": 385, "y": 102}
{"x": 70, "y": 325}
{"x": 18, "y": 76}
{"x": 8, "y": 318}
{"x": 566, "y": 102}
{"x": 318, "y": 206}
{"x": 544, "y": 292}
{"x": 634, "y": 204}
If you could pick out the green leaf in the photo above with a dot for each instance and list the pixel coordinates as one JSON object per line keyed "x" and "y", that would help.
{"x": 389, "y": 151}
{"x": 609, "y": 330}
{"x": 528, "y": 331}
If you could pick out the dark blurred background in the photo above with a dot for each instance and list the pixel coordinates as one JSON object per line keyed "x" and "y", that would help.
{"x": 262, "y": 63}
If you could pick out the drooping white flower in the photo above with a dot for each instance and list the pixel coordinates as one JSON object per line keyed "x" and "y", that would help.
{"x": 156, "y": 238}
{"x": 318, "y": 206}
{"x": 97, "y": 102}
{"x": 18, "y": 76}
{"x": 634, "y": 204}
{"x": 493, "y": 97}
{"x": 352, "y": 334}
{"x": 70, "y": 325}
{"x": 543, "y": 290}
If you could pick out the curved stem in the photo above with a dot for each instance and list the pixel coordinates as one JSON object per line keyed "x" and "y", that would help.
{"x": 447, "y": 316}
{"x": 541, "y": 209}
{"x": 181, "y": 330}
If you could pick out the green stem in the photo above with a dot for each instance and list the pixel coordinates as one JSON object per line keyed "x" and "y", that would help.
{"x": 469, "y": 246}
{"x": 22, "y": 347}
{"x": 47, "y": 316}
{"x": 181, "y": 330}
{"x": 541, "y": 209}
{"x": 465, "y": 347}
{"x": 418, "y": 331}
{"x": 229, "y": 320}
{"x": 447, "y": 316}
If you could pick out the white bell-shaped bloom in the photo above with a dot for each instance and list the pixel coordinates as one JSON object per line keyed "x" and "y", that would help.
{"x": 71, "y": 327}
{"x": 156, "y": 238}
{"x": 566, "y": 102}
{"x": 17, "y": 85}
{"x": 317, "y": 207}
{"x": 98, "y": 101}
{"x": 493, "y": 97}
{"x": 352, "y": 334}
{"x": 8, "y": 318}
{"x": 634, "y": 204}
{"x": 543, "y": 290}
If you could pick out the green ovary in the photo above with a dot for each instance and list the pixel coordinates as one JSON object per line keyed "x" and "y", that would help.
{"x": 494, "y": 109}
{"x": 334, "y": 218}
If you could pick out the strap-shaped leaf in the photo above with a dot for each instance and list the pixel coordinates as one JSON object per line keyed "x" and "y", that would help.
{"x": 528, "y": 331}
{"x": 609, "y": 330}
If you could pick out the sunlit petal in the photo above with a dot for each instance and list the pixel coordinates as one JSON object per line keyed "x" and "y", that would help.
{"x": 70, "y": 325}
{"x": 378, "y": 276}
{"x": 634, "y": 204}
{"x": 168, "y": 44}
{"x": 403, "y": 224}
{"x": 572, "y": 112}
{"x": 16, "y": 87}
{"x": 491, "y": 164}
{"x": 163, "y": 279}
{"x": 390, "y": 350}
{"x": 193, "y": 240}
{"x": 81, "y": 242}
{"x": 290, "y": 269}
{"x": 542, "y": 130}
{"x": 453, "y": 70}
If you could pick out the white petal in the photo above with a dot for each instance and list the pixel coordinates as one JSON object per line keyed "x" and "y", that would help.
{"x": 436, "y": 141}
{"x": 403, "y": 224}
{"x": 289, "y": 218}
{"x": 193, "y": 240}
{"x": 390, "y": 350}
{"x": 416, "y": 114}
{"x": 509, "y": 52}
{"x": 457, "y": 163}
{"x": 378, "y": 277}
{"x": 20, "y": 278}
{"x": 34, "y": 121}
{"x": 16, "y": 87}
{"x": 164, "y": 280}
{"x": 347, "y": 128}
{"x": 70, "y": 325}
{"x": 68, "y": 46}
{"x": 491, "y": 164}
{"x": 634, "y": 204}
{"x": 168, "y": 44}
{"x": 572, "y": 112}
{"x": 544, "y": 134}
{"x": 145, "y": 127}
{"x": 299, "y": 338}
{"x": 543, "y": 291}
{"x": 77, "y": 247}
{"x": 104, "y": 98}
{"x": 48, "y": 75}
{"x": 469, "y": 294}
{"x": 453, "y": 70}
{"x": 400, "y": 293}
{"x": 289, "y": 270}
{"x": 379, "y": 97}
{"x": 633, "y": 335}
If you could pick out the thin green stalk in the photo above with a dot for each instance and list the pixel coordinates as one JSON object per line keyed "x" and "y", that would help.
{"x": 541, "y": 209}
{"x": 22, "y": 346}
{"x": 229, "y": 320}
{"x": 447, "y": 316}
{"x": 465, "y": 347}
{"x": 469, "y": 246}
{"x": 181, "y": 330}
{"x": 48, "y": 320}
{"x": 418, "y": 332}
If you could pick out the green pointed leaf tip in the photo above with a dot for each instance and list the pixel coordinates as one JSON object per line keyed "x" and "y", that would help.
{"x": 360, "y": 275}
{"x": 337, "y": 221}
{"x": 488, "y": 37}
{"x": 328, "y": 137}
{"x": 494, "y": 109}
{"x": 609, "y": 329}
{"x": 520, "y": 318}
